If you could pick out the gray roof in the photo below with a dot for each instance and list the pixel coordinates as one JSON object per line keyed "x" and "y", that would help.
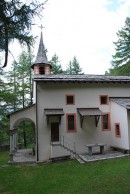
{"x": 52, "y": 112}
{"x": 41, "y": 54}
{"x": 82, "y": 78}
{"x": 125, "y": 102}
{"x": 20, "y": 110}
{"x": 90, "y": 111}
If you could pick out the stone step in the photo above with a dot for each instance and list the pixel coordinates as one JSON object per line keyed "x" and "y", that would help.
{"x": 80, "y": 161}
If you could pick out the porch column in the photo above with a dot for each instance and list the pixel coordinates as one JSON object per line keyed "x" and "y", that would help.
{"x": 11, "y": 141}
{"x": 11, "y": 146}
{"x": 15, "y": 139}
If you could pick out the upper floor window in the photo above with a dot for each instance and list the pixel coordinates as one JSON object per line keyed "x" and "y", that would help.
{"x": 104, "y": 99}
{"x": 71, "y": 122}
{"x": 117, "y": 130}
{"x": 106, "y": 122}
{"x": 70, "y": 99}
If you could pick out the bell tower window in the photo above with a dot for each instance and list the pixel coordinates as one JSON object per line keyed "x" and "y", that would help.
{"x": 41, "y": 70}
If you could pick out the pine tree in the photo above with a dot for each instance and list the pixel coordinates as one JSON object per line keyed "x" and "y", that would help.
{"x": 121, "y": 59}
{"x": 69, "y": 68}
{"x": 20, "y": 89}
{"x": 20, "y": 82}
{"x": 56, "y": 66}
{"x": 4, "y": 123}
{"x": 15, "y": 23}
{"x": 74, "y": 67}
{"x": 15, "y": 93}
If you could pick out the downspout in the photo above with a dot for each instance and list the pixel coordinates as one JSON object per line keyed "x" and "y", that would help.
{"x": 37, "y": 125}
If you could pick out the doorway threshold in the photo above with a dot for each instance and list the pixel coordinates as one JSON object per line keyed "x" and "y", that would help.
{"x": 55, "y": 143}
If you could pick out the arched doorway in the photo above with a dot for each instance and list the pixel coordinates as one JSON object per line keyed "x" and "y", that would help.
{"x": 23, "y": 135}
{"x": 23, "y": 144}
{"x": 26, "y": 134}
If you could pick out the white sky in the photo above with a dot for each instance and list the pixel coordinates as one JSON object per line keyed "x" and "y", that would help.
{"x": 82, "y": 28}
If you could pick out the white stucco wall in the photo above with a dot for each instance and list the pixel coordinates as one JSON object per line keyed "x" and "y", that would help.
{"x": 119, "y": 115}
{"x": 34, "y": 92}
{"x": 52, "y": 95}
{"x": 128, "y": 118}
{"x": 24, "y": 114}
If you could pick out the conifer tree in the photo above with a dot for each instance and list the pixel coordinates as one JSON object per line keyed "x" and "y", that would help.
{"x": 4, "y": 96}
{"x": 56, "y": 66}
{"x": 69, "y": 68}
{"x": 121, "y": 58}
{"x": 20, "y": 81}
{"x": 74, "y": 67}
{"x": 15, "y": 23}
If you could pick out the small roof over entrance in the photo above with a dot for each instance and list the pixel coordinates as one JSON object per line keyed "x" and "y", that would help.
{"x": 53, "y": 112}
{"x": 90, "y": 112}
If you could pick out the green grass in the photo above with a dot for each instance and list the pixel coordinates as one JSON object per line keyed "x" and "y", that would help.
{"x": 70, "y": 177}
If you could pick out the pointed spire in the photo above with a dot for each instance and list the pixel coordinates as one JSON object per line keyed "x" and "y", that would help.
{"x": 41, "y": 64}
{"x": 41, "y": 54}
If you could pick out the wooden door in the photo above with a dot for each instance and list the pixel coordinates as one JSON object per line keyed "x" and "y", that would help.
{"x": 54, "y": 132}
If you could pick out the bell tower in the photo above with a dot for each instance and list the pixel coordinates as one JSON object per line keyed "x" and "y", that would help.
{"x": 41, "y": 65}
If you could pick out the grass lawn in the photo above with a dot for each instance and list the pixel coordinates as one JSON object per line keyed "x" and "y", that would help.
{"x": 70, "y": 177}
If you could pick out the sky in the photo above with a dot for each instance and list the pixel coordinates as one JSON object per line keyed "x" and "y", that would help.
{"x": 82, "y": 28}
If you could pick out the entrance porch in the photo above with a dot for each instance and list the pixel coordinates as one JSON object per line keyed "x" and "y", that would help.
{"x": 23, "y": 156}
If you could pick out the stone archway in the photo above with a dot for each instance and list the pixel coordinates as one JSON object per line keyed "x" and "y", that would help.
{"x": 24, "y": 133}
{"x": 26, "y": 114}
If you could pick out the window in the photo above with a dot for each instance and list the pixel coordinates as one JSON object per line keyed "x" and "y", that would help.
{"x": 104, "y": 99}
{"x": 41, "y": 70}
{"x": 106, "y": 122}
{"x": 117, "y": 130}
{"x": 71, "y": 122}
{"x": 70, "y": 99}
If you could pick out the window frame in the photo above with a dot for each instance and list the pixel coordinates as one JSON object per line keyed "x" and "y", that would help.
{"x": 107, "y": 99}
{"x": 109, "y": 122}
{"x": 68, "y": 95}
{"x": 75, "y": 126}
{"x": 117, "y": 134}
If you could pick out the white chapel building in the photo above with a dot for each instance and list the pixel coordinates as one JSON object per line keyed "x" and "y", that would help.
{"x": 70, "y": 111}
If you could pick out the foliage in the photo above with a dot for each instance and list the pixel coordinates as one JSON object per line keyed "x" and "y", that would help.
{"x": 20, "y": 79}
{"x": 56, "y": 66}
{"x": 20, "y": 82}
{"x": 106, "y": 177}
{"x": 123, "y": 70}
{"x": 73, "y": 67}
{"x": 15, "y": 92}
{"x": 26, "y": 134}
{"x": 4, "y": 124}
{"x": 69, "y": 68}
{"x": 121, "y": 59}
{"x": 15, "y": 23}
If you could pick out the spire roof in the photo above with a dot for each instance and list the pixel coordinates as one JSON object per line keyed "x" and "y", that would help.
{"x": 41, "y": 54}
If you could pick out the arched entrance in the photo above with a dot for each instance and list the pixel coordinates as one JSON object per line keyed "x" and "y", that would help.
{"x": 26, "y": 133}
{"x": 23, "y": 135}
